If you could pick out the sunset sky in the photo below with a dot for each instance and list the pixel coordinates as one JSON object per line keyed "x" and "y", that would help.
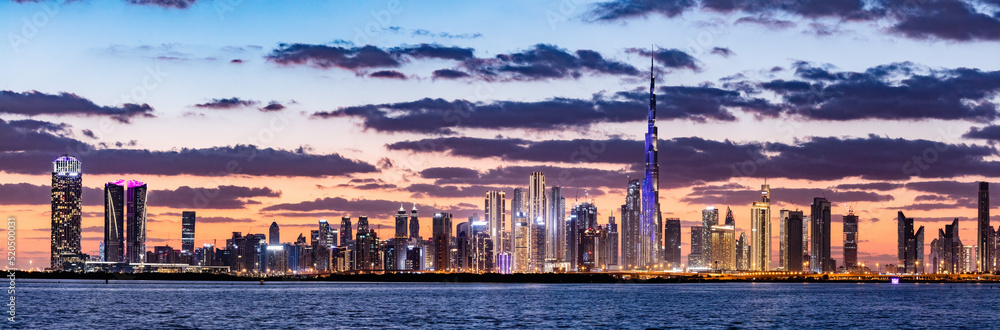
{"x": 295, "y": 113}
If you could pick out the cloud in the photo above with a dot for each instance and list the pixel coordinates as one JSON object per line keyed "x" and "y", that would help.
{"x": 621, "y": 9}
{"x": 273, "y": 106}
{"x": 201, "y": 219}
{"x": 359, "y": 58}
{"x": 723, "y": 195}
{"x": 176, "y": 4}
{"x": 991, "y": 132}
{"x": 35, "y": 103}
{"x": 945, "y": 19}
{"x": 567, "y": 177}
{"x": 388, "y": 74}
{"x": 230, "y": 103}
{"x": 880, "y": 186}
{"x": 38, "y": 125}
{"x": 449, "y": 74}
{"x": 722, "y": 51}
{"x": 768, "y": 22}
{"x": 222, "y": 197}
{"x": 34, "y": 135}
{"x": 544, "y": 62}
{"x": 366, "y": 184}
{"x": 421, "y": 190}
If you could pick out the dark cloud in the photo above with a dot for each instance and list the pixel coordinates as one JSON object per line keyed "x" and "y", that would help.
{"x": 568, "y": 177}
{"x": 29, "y": 194}
{"x": 388, "y": 74}
{"x": 449, "y": 74}
{"x": 543, "y": 62}
{"x": 991, "y": 132}
{"x": 368, "y": 184}
{"x": 89, "y": 133}
{"x": 620, "y": 9}
{"x": 889, "y": 92}
{"x": 34, "y": 135}
{"x": 230, "y": 103}
{"x": 272, "y": 106}
{"x": 35, "y": 103}
{"x": 880, "y": 186}
{"x": 421, "y": 190}
{"x": 945, "y": 19}
{"x": 722, "y": 51}
{"x": 365, "y": 57}
{"x": 178, "y": 4}
{"x": 767, "y": 22}
{"x": 375, "y": 209}
{"x": 844, "y": 9}
{"x": 669, "y": 58}
{"x": 802, "y": 197}
{"x": 38, "y": 125}
{"x": 203, "y": 220}
{"x": 222, "y": 197}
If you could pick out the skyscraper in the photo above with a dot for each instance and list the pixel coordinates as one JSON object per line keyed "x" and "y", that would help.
{"x": 651, "y": 227}
{"x": 947, "y": 249}
{"x": 536, "y": 218}
{"x": 783, "y": 240}
{"x": 709, "y": 218}
{"x": 401, "y": 223}
{"x": 442, "y": 232}
{"x": 672, "y": 242}
{"x": 983, "y": 256}
{"x": 414, "y": 224}
{"x": 366, "y": 255}
{"x": 114, "y": 221}
{"x": 822, "y": 261}
{"x": 326, "y": 234}
{"x": 274, "y": 234}
{"x": 555, "y": 224}
{"x": 187, "y": 231}
{"x": 520, "y": 232}
{"x": 67, "y": 189}
{"x": 760, "y": 231}
{"x": 851, "y": 241}
{"x": 723, "y": 242}
{"x": 695, "y": 258}
{"x": 346, "y": 234}
{"x": 135, "y": 221}
{"x": 910, "y": 245}
{"x": 612, "y": 248}
{"x": 496, "y": 217}
{"x": 794, "y": 251}
{"x": 583, "y": 217}
{"x": 631, "y": 218}
{"x": 742, "y": 252}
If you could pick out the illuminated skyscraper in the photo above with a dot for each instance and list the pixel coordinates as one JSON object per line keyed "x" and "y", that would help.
{"x": 414, "y": 225}
{"x": 723, "y": 242}
{"x": 114, "y": 221}
{"x": 742, "y": 252}
{"x": 651, "y": 227}
{"x": 709, "y": 218}
{"x": 612, "y": 246}
{"x": 672, "y": 241}
{"x": 67, "y": 189}
{"x": 583, "y": 217}
{"x": 851, "y": 241}
{"x": 346, "y": 233}
{"x": 326, "y": 237}
{"x": 274, "y": 234}
{"x": 631, "y": 219}
{"x": 401, "y": 224}
{"x": 760, "y": 231}
{"x": 367, "y": 247}
{"x": 910, "y": 245}
{"x": 520, "y": 232}
{"x": 135, "y": 221}
{"x": 783, "y": 240}
{"x": 536, "y": 215}
{"x": 695, "y": 257}
{"x": 187, "y": 231}
{"x": 555, "y": 224}
{"x": 442, "y": 231}
{"x": 983, "y": 241}
{"x": 495, "y": 212}
{"x": 822, "y": 261}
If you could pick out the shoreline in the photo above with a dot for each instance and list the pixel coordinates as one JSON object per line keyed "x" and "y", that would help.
{"x": 546, "y": 278}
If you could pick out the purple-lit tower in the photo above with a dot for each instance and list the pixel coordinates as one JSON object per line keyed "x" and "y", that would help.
{"x": 651, "y": 225}
{"x": 135, "y": 221}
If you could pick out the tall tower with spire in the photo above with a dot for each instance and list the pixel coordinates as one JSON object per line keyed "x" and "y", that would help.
{"x": 651, "y": 242}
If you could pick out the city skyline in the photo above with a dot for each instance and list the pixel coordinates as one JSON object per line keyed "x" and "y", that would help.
{"x": 326, "y": 145}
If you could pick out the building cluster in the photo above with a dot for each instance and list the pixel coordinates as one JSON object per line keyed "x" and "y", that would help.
{"x": 541, "y": 234}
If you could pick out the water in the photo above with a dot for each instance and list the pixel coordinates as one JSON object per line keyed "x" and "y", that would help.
{"x": 155, "y": 304}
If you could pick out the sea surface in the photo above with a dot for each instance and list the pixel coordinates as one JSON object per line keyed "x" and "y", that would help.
{"x": 73, "y": 304}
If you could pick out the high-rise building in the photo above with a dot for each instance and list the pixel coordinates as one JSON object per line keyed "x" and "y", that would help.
{"x": 67, "y": 189}
{"x": 760, "y": 231}
{"x": 672, "y": 242}
{"x": 583, "y": 217}
{"x": 631, "y": 215}
{"x": 114, "y": 221}
{"x": 496, "y": 217}
{"x": 695, "y": 259}
{"x": 536, "y": 215}
{"x": 821, "y": 260}
{"x": 401, "y": 223}
{"x": 782, "y": 240}
{"x": 946, "y": 250}
{"x": 851, "y": 241}
{"x": 591, "y": 249}
{"x": 651, "y": 226}
{"x": 612, "y": 251}
{"x": 983, "y": 241}
{"x": 555, "y": 224}
{"x": 274, "y": 234}
{"x": 723, "y": 241}
{"x": 709, "y": 218}
{"x": 520, "y": 232}
{"x": 442, "y": 231}
{"x": 135, "y": 221}
{"x": 794, "y": 250}
{"x": 742, "y": 252}
{"x": 910, "y": 245}
{"x": 414, "y": 225}
{"x": 346, "y": 234}
{"x": 537, "y": 245}
{"x": 187, "y": 231}
{"x": 366, "y": 254}
{"x": 326, "y": 237}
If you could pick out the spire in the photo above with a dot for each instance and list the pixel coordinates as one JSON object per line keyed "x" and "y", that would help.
{"x": 401, "y": 207}
{"x": 414, "y": 206}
